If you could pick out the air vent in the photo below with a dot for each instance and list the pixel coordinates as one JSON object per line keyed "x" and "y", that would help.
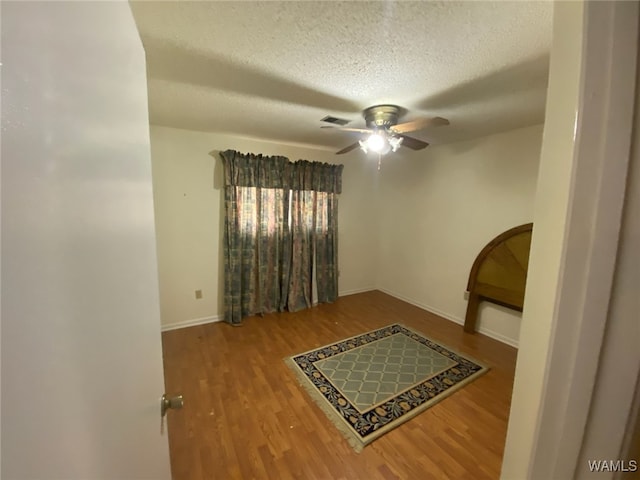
{"x": 335, "y": 120}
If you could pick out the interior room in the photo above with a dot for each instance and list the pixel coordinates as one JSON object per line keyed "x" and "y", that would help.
{"x": 258, "y": 78}
{"x": 210, "y": 269}
{"x": 210, "y": 89}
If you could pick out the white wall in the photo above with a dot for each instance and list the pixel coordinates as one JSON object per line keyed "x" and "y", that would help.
{"x": 81, "y": 354}
{"x": 189, "y": 218}
{"x": 439, "y": 207}
{"x": 412, "y": 229}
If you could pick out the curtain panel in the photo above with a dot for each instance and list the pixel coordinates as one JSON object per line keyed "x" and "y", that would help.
{"x": 314, "y": 223}
{"x": 257, "y": 241}
{"x": 280, "y": 227}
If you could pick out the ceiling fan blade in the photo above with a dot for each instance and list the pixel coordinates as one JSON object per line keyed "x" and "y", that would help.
{"x": 418, "y": 124}
{"x": 413, "y": 143}
{"x": 349, "y": 129}
{"x": 353, "y": 146}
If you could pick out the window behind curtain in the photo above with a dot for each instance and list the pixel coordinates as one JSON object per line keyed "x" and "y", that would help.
{"x": 280, "y": 237}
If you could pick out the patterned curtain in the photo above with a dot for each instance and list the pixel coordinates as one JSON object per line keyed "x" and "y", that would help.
{"x": 280, "y": 224}
{"x": 314, "y": 223}
{"x": 257, "y": 240}
{"x": 300, "y": 293}
{"x": 326, "y": 246}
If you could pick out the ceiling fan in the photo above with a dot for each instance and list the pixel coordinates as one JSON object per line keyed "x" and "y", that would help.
{"x": 385, "y": 134}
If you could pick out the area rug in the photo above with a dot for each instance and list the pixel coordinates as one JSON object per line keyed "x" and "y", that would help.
{"x": 373, "y": 382}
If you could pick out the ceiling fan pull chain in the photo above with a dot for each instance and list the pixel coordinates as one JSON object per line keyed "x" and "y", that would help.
{"x": 379, "y": 161}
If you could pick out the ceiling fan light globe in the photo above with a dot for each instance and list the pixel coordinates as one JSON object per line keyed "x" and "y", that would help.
{"x": 385, "y": 149}
{"x": 395, "y": 143}
{"x": 378, "y": 143}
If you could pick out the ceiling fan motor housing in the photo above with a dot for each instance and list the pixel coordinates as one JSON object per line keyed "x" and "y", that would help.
{"x": 381, "y": 116}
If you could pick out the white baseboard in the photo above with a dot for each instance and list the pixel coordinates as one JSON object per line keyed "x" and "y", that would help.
{"x": 440, "y": 313}
{"x": 483, "y": 330}
{"x": 344, "y": 293}
{"x": 217, "y": 318}
{"x": 190, "y": 323}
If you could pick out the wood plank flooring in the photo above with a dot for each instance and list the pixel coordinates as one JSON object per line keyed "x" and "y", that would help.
{"x": 246, "y": 417}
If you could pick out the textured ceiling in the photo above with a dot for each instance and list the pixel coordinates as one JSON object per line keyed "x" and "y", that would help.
{"x": 273, "y": 69}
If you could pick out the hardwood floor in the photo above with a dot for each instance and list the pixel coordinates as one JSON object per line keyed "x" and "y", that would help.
{"x": 245, "y": 416}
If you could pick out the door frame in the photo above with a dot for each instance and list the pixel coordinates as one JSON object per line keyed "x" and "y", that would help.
{"x": 549, "y": 444}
